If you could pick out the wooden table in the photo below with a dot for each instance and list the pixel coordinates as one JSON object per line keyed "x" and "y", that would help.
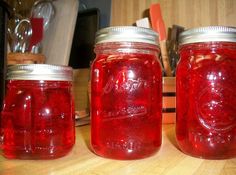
{"x": 168, "y": 161}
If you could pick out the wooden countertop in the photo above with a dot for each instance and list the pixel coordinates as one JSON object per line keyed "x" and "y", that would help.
{"x": 168, "y": 161}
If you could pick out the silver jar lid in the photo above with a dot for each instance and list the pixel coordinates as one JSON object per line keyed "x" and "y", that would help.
{"x": 208, "y": 34}
{"x": 39, "y": 72}
{"x": 126, "y": 34}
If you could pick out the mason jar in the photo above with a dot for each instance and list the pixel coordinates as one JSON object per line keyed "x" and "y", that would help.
{"x": 37, "y": 120}
{"x": 206, "y": 96}
{"x": 126, "y": 93}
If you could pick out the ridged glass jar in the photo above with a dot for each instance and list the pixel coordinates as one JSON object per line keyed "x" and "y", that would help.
{"x": 37, "y": 121}
{"x": 126, "y": 93}
{"x": 206, "y": 96}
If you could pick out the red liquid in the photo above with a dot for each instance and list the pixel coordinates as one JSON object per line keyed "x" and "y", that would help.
{"x": 126, "y": 105}
{"x": 206, "y": 100}
{"x": 37, "y": 120}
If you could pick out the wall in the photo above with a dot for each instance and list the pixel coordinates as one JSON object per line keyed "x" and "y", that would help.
{"x": 188, "y": 13}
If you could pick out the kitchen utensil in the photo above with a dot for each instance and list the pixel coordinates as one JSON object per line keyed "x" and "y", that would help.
{"x": 37, "y": 36}
{"x": 159, "y": 26}
{"x": 173, "y": 46}
{"x": 43, "y": 9}
{"x": 22, "y": 35}
{"x": 12, "y": 23}
{"x": 144, "y": 22}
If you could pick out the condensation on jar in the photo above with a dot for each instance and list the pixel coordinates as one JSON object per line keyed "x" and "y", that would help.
{"x": 206, "y": 96}
{"x": 126, "y": 94}
{"x": 37, "y": 120}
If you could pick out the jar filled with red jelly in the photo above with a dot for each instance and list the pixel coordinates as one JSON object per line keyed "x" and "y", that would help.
{"x": 126, "y": 93}
{"x": 37, "y": 120}
{"x": 206, "y": 92}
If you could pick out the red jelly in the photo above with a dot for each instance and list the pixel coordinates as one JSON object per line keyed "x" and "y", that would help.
{"x": 206, "y": 96}
{"x": 37, "y": 120}
{"x": 126, "y": 94}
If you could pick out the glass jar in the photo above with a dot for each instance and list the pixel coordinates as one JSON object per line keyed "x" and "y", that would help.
{"x": 206, "y": 96}
{"x": 126, "y": 93}
{"x": 37, "y": 120}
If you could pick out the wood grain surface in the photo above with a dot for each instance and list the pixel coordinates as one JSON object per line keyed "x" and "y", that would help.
{"x": 187, "y": 13}
{"x": 81, "y": 161}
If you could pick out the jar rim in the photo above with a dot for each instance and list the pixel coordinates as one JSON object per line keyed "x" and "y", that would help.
{"x": 39, "y": 72}
{"x": 127, "y": 34}
{"x": 208, "y": 34}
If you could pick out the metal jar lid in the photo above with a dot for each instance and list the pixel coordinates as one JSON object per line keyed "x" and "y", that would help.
{"x": 126, "y": 34}
{"x": 39, "y": 72}
{"x": 208, "y": 34}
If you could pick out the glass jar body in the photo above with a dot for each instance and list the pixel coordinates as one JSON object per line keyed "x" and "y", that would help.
{"x": 37, "y": 120}
{"x": 126, "y": 100}
{"x": 206, "y": 100}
